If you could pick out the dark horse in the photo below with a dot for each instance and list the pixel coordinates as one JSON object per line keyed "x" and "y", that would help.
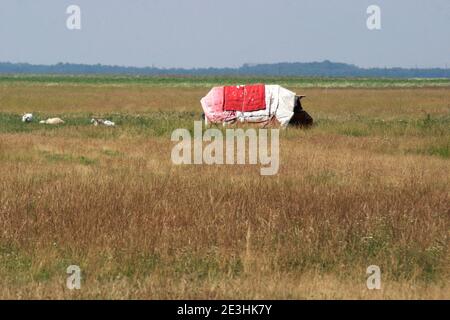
{"x": 301, "y": 118}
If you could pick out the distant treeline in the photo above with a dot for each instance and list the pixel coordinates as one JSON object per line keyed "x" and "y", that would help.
{"x": 308, "y": 69}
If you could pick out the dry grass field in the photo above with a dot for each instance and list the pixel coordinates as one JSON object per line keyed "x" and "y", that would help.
{"x": 369, "y": 184}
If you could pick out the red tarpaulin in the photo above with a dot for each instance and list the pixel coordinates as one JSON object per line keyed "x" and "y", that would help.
{"x": 245, "y": 98}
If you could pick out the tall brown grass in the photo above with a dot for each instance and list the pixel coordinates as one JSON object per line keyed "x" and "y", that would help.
{"x": 140, "y": 227}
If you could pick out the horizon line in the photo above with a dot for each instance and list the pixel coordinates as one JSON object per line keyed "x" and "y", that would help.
{"x": 247, "y": 64}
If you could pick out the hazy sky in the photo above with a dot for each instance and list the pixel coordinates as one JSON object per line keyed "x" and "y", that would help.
{"x": 203, "y": 33}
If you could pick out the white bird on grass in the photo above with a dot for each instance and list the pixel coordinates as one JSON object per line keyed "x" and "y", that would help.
{"x": 52, "y": 121}
{"x": 104, "y": 122}
{"x": 27, "y": 117}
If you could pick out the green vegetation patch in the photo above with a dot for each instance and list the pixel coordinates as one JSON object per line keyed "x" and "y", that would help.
{"x": 208, "y": 81}
{"x": 70, "y": 158}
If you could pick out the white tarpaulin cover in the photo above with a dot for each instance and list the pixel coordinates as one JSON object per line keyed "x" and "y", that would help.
{"x": 279, "y": 104}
